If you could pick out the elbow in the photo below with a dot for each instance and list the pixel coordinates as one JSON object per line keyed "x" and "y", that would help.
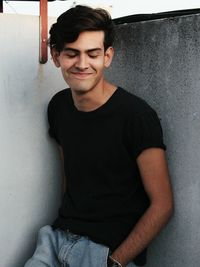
{"x": 171, "y": 209}
{"x": 168, "y": 210}
{"x": 165, "y": 209}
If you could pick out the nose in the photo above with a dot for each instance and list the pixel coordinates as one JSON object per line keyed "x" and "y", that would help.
{"x": 82, "y": 62}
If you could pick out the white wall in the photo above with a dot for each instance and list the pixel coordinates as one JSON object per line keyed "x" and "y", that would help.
{"x": 30, "y": 171}
{"x": 117, "y": 8}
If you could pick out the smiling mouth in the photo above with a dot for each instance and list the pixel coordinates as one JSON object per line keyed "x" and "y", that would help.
{"x": 81, "y": 75}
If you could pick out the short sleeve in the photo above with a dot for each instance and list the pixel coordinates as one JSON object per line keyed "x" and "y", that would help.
{"x": 146, "y": 132}
{"x": 51, "y": 114}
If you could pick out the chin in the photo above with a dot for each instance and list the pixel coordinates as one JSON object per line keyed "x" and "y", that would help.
{"x": 82, "y": 87}
{"x": 80, "y": 90}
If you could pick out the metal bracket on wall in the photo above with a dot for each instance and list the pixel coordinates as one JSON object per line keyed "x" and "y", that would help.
{"x": 43, "y": 31}
{"x": 1, "y": 6}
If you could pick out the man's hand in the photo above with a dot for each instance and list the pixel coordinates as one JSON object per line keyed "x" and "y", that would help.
{"x": 112, "y": 262}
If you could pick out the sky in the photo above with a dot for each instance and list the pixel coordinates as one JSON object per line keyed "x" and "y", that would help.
{"x": 117, "y": 8}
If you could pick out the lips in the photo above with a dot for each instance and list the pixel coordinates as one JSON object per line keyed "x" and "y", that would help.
{"x": 81, "y": 75}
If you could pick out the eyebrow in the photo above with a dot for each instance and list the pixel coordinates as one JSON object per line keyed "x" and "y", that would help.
{"x": 77, "y": 51}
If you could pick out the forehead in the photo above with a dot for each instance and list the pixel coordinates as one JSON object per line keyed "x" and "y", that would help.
{"x": 88, "y": 40}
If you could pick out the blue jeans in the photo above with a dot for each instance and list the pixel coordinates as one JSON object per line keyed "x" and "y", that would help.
{"x": 57, "y": 248}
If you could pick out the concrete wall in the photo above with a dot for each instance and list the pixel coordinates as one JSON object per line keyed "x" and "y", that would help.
{"x": 29, "y": 162}
{"x": 160, "y": 61}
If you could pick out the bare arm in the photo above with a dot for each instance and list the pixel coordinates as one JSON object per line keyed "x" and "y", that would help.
{"x": 154, "y": 172}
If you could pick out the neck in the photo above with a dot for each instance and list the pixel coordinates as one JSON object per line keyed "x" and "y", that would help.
{"x": 93, "y": 99}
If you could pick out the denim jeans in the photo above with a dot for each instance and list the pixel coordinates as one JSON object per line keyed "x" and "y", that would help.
{"x": 57, "y": 248}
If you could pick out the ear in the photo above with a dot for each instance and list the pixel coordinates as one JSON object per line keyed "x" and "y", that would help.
{"x": 55, "y": 56}
{"x": 109, "y": 53}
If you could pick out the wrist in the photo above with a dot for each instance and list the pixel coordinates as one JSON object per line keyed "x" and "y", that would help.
{"x": 113, "y": 262}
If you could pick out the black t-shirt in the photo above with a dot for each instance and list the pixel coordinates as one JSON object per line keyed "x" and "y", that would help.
{"x": 105, "y": 196}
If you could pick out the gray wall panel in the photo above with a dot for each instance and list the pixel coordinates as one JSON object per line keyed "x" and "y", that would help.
{"x": 159, "y": 60}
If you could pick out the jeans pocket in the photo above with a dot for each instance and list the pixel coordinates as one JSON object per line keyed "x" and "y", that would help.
{"x": 83, "y": 253}
{"x": 65, "y": 252}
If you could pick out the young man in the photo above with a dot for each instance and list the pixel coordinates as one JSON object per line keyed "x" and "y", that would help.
{"x": 117, "y": 194}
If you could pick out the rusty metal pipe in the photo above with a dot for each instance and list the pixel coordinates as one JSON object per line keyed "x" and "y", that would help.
{"x": 43, "y": 31}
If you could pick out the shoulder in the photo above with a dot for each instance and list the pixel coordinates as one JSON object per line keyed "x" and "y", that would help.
{"x": 143, "y": 125}
{"x": 57, "y": 102}
{"x": 134, "y": 104}
{"x": 59, "y": 96}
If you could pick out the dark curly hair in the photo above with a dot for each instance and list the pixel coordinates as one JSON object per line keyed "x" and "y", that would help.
{"x": 79, "y": 19}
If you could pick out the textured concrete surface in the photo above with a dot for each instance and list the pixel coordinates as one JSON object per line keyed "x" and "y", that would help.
{"x": 160, "y": 61}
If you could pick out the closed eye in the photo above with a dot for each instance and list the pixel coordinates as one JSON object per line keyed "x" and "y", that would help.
{"x": 93, "y": 56}
{"x": 71, "y": 55}
{"x": 94, "y": 53}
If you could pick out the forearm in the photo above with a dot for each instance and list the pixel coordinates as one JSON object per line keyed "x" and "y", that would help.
{"x": 145, "y": 230}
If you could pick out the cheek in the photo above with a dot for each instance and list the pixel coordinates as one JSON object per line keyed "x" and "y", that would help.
{"x": 99, "y": 65}
{"x": 66, "y": 64}
{"x": 65, "y": 69}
